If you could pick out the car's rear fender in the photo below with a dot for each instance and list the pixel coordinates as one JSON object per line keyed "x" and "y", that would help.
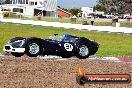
{"x": 85, "y": 41}
{"x": 82, "y": 40}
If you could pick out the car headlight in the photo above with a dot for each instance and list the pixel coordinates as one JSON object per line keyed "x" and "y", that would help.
{"x": 20, "y": 42}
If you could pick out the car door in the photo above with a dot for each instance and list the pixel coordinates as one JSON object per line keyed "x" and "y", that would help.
{"x": 52, "y": 46}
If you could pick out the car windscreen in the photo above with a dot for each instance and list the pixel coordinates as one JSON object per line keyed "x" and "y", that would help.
{"x": 69, "y": 39}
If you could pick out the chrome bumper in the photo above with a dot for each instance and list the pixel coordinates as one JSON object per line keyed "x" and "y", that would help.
{"x": 9, "y": 48}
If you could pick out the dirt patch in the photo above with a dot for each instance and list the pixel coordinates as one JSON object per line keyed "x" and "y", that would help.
{"x": 36, "y": 73}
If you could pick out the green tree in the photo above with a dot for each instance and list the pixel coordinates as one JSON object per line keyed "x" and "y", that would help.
{"x": 74, "y": 11}
{"x": 116, "y": 6}
{"x": 99, "y": 7}
{"x": 65, "y": 9}
{"x": 6, "y": 2}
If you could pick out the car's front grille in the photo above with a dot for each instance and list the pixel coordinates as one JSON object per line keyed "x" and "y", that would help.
{"x": 7, "y": 47}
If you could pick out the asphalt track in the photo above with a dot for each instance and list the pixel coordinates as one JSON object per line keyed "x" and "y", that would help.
{"x": 91, "y": 58}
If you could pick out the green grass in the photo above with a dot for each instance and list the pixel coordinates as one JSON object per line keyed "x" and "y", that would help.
{"x": 111, "y": 44}
{"x": 129, "y": 25}
{"x": 52, "y": 19}
{"x": 103, "y": 24}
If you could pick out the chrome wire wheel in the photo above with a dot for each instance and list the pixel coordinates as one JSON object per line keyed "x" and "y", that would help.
{"x": 83, "y": 50}
{"x": 34, "y": 48}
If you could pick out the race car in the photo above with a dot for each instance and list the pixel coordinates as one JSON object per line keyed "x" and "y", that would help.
{"x": 65, "y": 46}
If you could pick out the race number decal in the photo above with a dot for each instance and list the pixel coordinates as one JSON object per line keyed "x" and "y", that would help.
{"x": 68, "y": 46}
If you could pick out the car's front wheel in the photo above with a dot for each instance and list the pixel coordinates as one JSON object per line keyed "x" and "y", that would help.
{"x": 33, "y": 49}
{"x": 82, "y": 51}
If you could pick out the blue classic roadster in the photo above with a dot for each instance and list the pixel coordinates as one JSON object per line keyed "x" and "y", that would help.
{"x": 65, "y": 46}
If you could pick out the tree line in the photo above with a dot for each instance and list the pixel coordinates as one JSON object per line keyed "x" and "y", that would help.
{"x": 108, "y": 6}
{"x": 114, "y": 6}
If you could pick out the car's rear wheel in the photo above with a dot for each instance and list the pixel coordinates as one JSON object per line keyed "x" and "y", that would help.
{"x": 33, "y": 49}
{"x": 82, "y": 51}
{"x": 17, "y": 54}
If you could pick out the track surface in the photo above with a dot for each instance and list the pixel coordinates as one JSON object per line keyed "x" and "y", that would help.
{"x": 26, "y": 72}
{"x": 57, "y": 72}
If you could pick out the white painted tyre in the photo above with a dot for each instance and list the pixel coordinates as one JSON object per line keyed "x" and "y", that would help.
{"x": 33, "y": 49}
{"x": 82, "y": 51}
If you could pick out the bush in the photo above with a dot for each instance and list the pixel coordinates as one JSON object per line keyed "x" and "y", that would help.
{"x": 16, "y": 15}
{"x": 6, "y": 14}
{"x": 114, "y": 19}
{"x": 12, "y": 14}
